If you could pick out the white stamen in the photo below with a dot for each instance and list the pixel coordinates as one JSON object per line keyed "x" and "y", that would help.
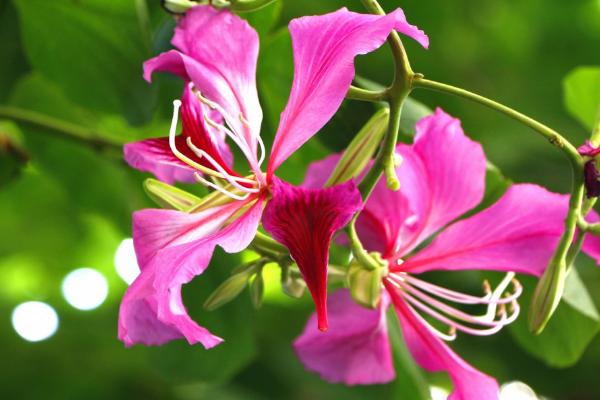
{"x": 229, "y": 178}
{"x": 227, "y": 193}
{"x": 416, "y": 292}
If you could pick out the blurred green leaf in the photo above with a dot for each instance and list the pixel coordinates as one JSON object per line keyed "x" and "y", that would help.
{"x": 93, "y": 49}
{"x": 264, "y": 20}
{"x": 569, "y": 332}
{"x": 13, "y": 60}
{"x": 582, "y": 94}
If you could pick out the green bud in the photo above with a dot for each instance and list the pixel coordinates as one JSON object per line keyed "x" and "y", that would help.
{"x": 257, "y": 289}
{"x": 178, "y": 6}
{"x": 361, "y": 149}
{"x": 547, "y": 295}
{"x": 291, "y": 282}
{"x": 365, "y": 284}
{"x": 227, "y": 291}
{"x": 168, "y": 196}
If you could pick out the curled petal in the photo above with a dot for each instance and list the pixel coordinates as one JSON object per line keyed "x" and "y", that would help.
{"x": 155, "y": 156}
{"x": 518, "y": 233}
{"x": 304, "y": 220}
{"x": 324, "y": 50}
{"x": 432, "y": 354}
{"x": 218, "y": 52}
{"x": 172, "y": 248}
{"x": 356, "y": 348}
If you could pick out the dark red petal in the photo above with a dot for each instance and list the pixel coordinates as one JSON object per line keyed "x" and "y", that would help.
{"x": 304, "y": 220}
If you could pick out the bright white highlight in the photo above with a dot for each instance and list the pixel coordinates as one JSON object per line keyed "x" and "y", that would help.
{"x": 34, "y": 321}
{"x": 85, "y": 288}
{"x": 517, "y": 391}
{"x": 125, "y": 261}
{"x": 437, "y": 393}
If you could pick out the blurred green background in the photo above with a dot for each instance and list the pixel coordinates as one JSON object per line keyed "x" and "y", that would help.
{"x": 65, "y": 201}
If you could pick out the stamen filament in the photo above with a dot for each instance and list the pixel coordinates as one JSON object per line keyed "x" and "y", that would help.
{"x": 182, "y": 157}
{"x": 227, "y": 193}
{"x": 233, "y": 180}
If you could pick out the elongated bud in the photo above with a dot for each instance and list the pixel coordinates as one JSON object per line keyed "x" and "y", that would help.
{"x": 228, "y": 290}
{"x": 168, "y": 196}
{"x": 547, "y": 295}
{"x": 365, "y": 283}
{"x": 257, "y": 289}
{"x": 361, "y": 149}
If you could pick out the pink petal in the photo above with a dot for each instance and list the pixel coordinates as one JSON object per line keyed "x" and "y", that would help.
{"x": 518, "y": 233}
{"x": 155, "y": 156}
{"x": 172, "y": 248}
{"x": 304, "y": 220}
{"x": 588, "y": 149}
{"x": 355, "y": 350}
{"x": 218, "y": 52}
{"x": 318, "y": 172}
{"x": 324, "y": 50}
{"x": 432, "y": 354}
{"x": 591, "y": 244}
{"x": 442, "y": 176}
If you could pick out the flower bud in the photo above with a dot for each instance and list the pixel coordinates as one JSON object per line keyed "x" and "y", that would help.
{"x": 547, "y": 295}
{"x": 168, "y": 196}
{"x": 257, "y": 289}
{"x": 365, "y": 284}
{"x": 361, "y": 149}
{"x": 228, "y": 290}
{"x": 291, "y": 282}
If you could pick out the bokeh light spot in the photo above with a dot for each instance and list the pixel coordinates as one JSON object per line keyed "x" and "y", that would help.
{"x": 126, "y": 262}
{"x": 85, "y": 288}
{"x": 34, "y": 321}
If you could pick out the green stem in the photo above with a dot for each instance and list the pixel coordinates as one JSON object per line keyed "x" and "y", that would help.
{"x": 62, "y": 128}
{"x": 595, "y": 137}
{"x": 356, "y": 93}
{"x": 554, "y": 137}
{"x": 249, "y": 5}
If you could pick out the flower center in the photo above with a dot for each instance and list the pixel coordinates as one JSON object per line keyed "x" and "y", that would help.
{"x": 213, "y": 175}
{"x": 440, "y": 303}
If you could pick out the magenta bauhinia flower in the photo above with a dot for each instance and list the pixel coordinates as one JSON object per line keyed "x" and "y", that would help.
{"x": 443, "y": 176}
{"x": 216, "y": 57}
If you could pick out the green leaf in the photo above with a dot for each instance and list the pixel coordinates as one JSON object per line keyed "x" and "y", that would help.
{"x": 264, "y": 19}
{"x": 582, "y": 94}
{"x": 574, "y": 324}
{"x": 13, "y": 60}
{"x": 93, "y": 49}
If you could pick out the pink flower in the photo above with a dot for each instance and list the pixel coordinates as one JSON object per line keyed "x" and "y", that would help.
{"x": 442, "y": 176}
{"x": 216, "y": 57}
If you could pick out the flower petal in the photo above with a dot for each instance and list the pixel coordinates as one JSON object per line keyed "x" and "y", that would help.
{"x": 304, "y": 220}
{"x": 432, "y": 354}
{"x": 324, "y": 50}
{"x": 155, "y": 156}
{"x": 518, "y": 233}
{"x": 218, "y": 52}
{"x": 318, "y": 172}
{"x": 356, "y": 348}
{"x": 172, "y": 248}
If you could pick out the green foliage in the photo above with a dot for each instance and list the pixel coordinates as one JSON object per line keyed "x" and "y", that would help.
{"x": 69, "y": 204}
{"x": 582, "y": 94}
{"x": 569, "y": 332}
